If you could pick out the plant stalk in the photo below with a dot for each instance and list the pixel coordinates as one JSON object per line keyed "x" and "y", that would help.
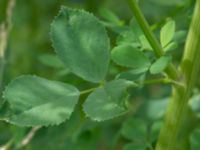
{"x": 175, "y": 132}
{"x": 158, "y": 50}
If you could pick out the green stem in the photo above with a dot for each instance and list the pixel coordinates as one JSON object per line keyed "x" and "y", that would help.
{"x": 174, "y": 134}
{"x": 159, "y": 80}
{"x": 88, "y": 91}
{"x": 170, "y": 70}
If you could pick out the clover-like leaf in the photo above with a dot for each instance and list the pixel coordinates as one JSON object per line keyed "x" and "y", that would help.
{"x": 109, "y": 101}
{"x": 128, "y": 56}
{"x": 167, "y": 33}
{"x": 36, "y": 101}
{"x": 159, "y": 65}
{"x": 82, "y": 43}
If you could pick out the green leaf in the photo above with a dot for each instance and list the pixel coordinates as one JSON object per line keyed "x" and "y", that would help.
{"x": 134, "y": 129}
{"x": 131, "y": 75}
{"x": 108, "y": 102}
{"x": 110, "y": 16}
{"x": 145, "y": 43}
{"x": 135, "y": 146}
{"x": 82, "y": 43}
{"x": 129, "y": 38}
{"x": 160, "y": 64}
{"x": 167, "y": 33}
{"x": 171, "y": 46}
{"x": 128, "y": 56}
{"x": 36, "y": 101}
{"x": 50, "y": 60}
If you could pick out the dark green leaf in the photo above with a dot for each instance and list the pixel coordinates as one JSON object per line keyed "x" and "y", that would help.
{"x": 82, "y": 43}
{"x": 131, "y": 75}
{"x": 36, "y": 101}
{"x": 128, "y": 56}
{"x": 109, "y": 101}
{"x": 159, "y": 65}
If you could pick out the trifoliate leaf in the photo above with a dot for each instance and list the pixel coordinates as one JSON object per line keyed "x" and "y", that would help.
{"x": 82, "y": 43}
{"x": 160, "y": 64}
{"x": 167, "y": 33}
{"x": 107, "y": 102}
{"x": 36, "y": 101}
{"x": 128, "y": 56}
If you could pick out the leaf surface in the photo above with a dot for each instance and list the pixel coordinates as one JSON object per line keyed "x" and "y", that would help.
{"x": 167, "y": 33}
{"x": 107, "y": 102}
{"x": 36, "y": 101}
{"x": 128, "y": 56}
{"x": 82, "y": 43}
{"x": 159, "y": 65}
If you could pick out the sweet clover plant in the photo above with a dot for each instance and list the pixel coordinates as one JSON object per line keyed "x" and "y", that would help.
{"x": 83, "y": 47}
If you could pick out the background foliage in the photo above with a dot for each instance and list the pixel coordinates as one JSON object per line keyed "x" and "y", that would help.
{"x": 30, "y": 52}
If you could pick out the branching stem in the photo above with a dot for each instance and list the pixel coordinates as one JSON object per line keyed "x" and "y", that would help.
{"x": 170, "y": 70}
{"x": 171, "y": 136}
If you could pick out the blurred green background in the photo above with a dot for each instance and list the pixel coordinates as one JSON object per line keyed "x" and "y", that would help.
{"x": 29, "y": 51}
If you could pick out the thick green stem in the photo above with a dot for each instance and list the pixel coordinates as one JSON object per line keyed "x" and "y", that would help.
{"x": 170, "y": 70}
{"x": 171, "y": 136}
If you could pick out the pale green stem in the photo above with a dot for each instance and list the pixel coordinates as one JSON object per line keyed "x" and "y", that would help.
{"x": 170, "y": 70}
{"x": 171, "y": 136}
{"x": 88, "y": 91}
